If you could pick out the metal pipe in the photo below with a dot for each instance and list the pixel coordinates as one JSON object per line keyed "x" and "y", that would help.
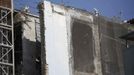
{"x": 13, "y": 57}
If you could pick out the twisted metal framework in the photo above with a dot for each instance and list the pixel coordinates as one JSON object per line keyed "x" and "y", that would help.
{"x": 6, "y": 40}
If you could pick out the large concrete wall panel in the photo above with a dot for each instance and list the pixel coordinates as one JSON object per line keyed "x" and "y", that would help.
{"x": 56, "y": 42}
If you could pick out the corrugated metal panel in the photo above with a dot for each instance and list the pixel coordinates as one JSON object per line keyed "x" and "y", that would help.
{"x": 5, "y": 3}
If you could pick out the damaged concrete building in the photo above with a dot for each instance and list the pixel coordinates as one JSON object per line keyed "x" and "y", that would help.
{"x": 60, "y": 41}
{"x": 78, "y": 42}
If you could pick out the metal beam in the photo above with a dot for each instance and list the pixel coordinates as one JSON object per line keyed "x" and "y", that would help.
{"x": 13, "y": 52}
{"x": 6, "y": 25}
{"x": 3, "y": 45}
{"x": 5, "y": 28}
{"x": 7, "y": 64}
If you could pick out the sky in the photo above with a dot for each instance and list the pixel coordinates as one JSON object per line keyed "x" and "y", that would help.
{"x": 109, "y": 8}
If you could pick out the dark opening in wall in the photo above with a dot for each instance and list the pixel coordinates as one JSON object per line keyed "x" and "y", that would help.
{"x": 82, "y": 41}
{"x": 18, "y": 47}
{"x": 128, "y": 54}
{"x": 27, "y": 52}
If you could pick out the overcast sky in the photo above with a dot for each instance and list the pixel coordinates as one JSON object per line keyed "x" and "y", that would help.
{"x": 108, "y": 8}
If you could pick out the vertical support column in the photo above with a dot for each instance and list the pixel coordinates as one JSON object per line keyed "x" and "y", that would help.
{"x": 13, "y": 52}
{"x": 54, "y": 40}
{"x": 97, "y": 54}
{"x": 42, "y": 31}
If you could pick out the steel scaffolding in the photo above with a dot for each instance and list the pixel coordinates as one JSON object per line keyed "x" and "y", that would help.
{"x": 6, "y": 38}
